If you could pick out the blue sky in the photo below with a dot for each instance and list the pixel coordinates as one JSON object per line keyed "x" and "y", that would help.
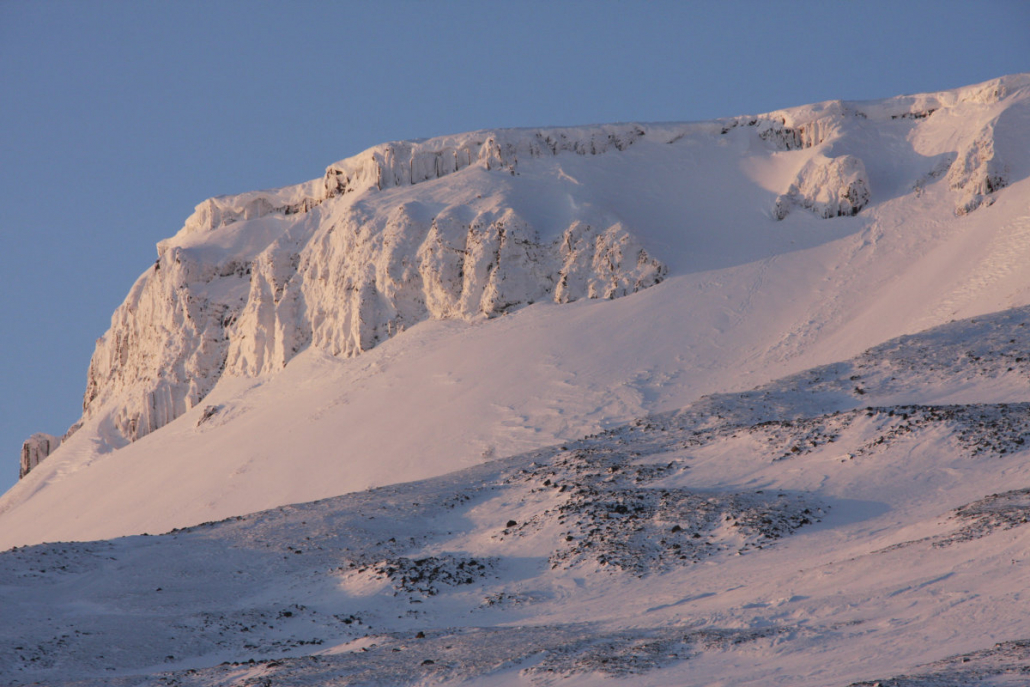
{"x": 116, "y": 118}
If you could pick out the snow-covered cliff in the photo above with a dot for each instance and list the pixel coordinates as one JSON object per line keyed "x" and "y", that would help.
{"x": 828, "y": 187}
{"x": 481, "y": 224}
{"x": 251, "y": 280}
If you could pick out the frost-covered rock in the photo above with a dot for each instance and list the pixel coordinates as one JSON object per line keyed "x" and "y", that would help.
{"x": 35, "y": 449}
{"x": 167, "y": 344}
{"x": 603, "y": 264}
{"x": 785, "y": 134}
{"x": 359, "y": 282}
{"x": 406, "y": 163}
{"x": 829, "y": 187}
{"x": 977, "y": 173}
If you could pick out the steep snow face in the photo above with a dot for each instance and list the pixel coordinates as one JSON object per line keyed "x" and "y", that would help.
{"x": 479, "y": 225}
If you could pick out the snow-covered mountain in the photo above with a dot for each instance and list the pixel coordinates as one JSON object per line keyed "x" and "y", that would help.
{"x": 440, "y": 323}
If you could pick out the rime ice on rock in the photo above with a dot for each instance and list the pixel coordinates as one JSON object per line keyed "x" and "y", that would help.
{"x": 829, "y": 187}
{"x": 977, "y": 173}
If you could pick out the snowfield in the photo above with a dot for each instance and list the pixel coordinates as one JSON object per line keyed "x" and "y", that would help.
{"x": 740, "y": 402}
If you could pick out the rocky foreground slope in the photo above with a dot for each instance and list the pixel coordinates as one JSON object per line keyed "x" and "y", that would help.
{"x": 835, "y": 527}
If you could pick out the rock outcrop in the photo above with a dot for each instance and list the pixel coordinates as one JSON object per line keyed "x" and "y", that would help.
{"x": 167, "y": 343}
{"x": 977, "y": 173}
{"x": 359, "y": 282}
{"x": 829, "y": 187}
{"x": 35, "y": 449}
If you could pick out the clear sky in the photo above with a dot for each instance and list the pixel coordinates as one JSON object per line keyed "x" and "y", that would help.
{"x": 116, "y": 118}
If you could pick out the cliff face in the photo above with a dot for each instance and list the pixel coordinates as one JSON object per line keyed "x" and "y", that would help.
{"x": 454, "y": 227}
{"x": 358, "y": 282}
{"x": 307, "y": 265}
{"x": 167, "y": 343}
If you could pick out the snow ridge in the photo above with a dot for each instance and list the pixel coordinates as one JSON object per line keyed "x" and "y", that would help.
{"x": 406, "y": 163}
